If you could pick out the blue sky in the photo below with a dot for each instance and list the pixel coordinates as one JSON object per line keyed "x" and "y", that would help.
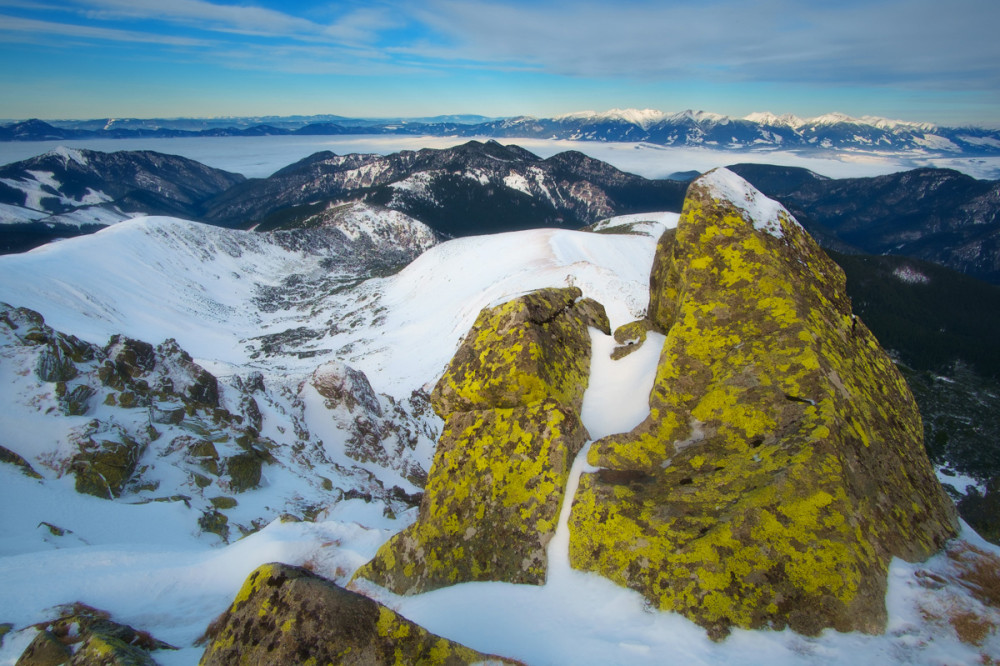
{"x": 926, "y": 60}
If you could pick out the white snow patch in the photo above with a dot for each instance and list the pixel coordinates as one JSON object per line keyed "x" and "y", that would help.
{"x": 990, "y": 141}
{"x": 70, "y": 155}
{"x": 958, "y": 481}
{"x": 935, "y": 142}
{"x": 910, "y": 275}
{"x": 434, "y": 301}
{"x": 617, "y": 396}
{"x": 650, "y": 224}
{"x": 765, "y": 214}
{"x": 516, "y": 181}
{"x": 17, "y": 215}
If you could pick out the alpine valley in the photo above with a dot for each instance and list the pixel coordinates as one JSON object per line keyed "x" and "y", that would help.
{"x": 475, "y": 406}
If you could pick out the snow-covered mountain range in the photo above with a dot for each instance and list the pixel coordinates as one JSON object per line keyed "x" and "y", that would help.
{"x": 757, "y": 131}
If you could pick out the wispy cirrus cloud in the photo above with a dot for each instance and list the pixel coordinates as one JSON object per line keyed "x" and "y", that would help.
{"x": 25, "y": 27}
{"x": 359, "y": 25}
{"x": 236, "y": 36}
{"x": 912, "y": 42}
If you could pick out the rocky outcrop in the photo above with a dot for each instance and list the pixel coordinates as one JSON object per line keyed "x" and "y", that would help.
{"x": 782, "y": 465}
{"x": 286, "y": 615}
{"x": 510, "y": 399}
{"x": 376, "y": 429}
{"x": 150, "y": 390}
{"x": 82, "y": 635}
{"x": 11, "y": 458}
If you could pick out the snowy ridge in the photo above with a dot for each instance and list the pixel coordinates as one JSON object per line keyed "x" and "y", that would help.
{"x": 646, "y": 118}
{"x": 766, "y": 214}
{"x": 643, "y": 118}
{"x": 768, "y": 118}
{"x": 649, "y": 224}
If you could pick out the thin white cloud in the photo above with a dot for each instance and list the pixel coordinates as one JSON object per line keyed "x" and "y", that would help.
{"x": 23, "y": 26}
{"x": 910, "y": 42}
{"x": 355, "y": 27}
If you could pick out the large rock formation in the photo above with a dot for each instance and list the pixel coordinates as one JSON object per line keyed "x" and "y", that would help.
{"x": 286, "y": 615}
{"x": 782, "y": 465}
{"x": 511, "y": 400}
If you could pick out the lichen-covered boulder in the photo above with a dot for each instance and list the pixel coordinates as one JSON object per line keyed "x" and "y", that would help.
{"x": 188, "y": 379}
{"x": 510, "y": 399}
{"x": 244, "y": 470}
{"x": 76, "y": 401}
{"x": 523, "y": 351}
{"x": 340, "y": 384}
{"x": 287, "y": 615}
{"x": 102, "y": 467}
{"x": 125, "y": 361}
{"x": 630, "y": 337}
{"x": 491, "y": 502}
{"x": 377, "y": 429}
{"x": 86, "y": 636}
{"x": 782, "y": 464}
{"x": 44, "y": 650}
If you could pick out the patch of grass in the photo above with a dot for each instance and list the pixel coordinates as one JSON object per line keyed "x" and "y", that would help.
{"x": 978, "y": 572}
{"x": 970, "y": 627}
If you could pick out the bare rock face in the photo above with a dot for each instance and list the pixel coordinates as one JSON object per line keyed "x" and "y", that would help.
{"x": 286, "y": 615}
{"x": 510, "y": 399}
{"x": 782, "y": 464}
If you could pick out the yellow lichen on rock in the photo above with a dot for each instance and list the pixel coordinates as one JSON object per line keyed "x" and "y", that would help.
{"x": 782, "y": 464}
{"x": 510, "y": 399}
{"x": 291, "y": 616}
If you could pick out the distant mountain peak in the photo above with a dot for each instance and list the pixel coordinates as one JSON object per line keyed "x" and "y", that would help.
{"x": 644, "y": 118}
{"x": 698, "y": 116}
{"x": 774, "y": 120}
{"x": 69, "y": 155}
